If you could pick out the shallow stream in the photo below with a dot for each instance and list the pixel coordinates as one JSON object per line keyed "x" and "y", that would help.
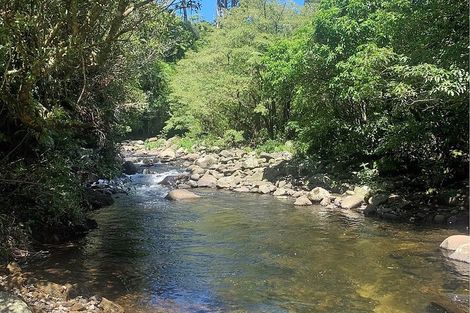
{"x": 229, "y": 252}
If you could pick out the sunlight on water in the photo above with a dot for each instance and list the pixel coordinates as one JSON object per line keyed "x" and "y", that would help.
{"x": 228, "y": 252}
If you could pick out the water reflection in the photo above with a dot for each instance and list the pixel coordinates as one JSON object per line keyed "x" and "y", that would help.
{"x": 230, "y": 252}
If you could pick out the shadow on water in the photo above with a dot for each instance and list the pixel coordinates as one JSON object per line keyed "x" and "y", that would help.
{"x": 228, "y": 252}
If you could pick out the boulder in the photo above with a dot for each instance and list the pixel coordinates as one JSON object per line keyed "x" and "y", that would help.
{"x": 325, "y": 201}
{"x": 250, "y": 163}
{"x": 280, "y": 192}
{"x": 378, "y": 199}
{"x": 196, "y": 169}
{"x": 129, "y": 168}
{"x": 97, "y": 199}
{"x": 206, "y": 162}
{"x": 216, "y": 174}
{"x": 192, "y": 183}
{"x": 12, "y": 304}
{"x": 257, "y": 175}
{"x": 110, "y": 307}
{"x": 290, "y": 192}
{"x": 265, "y": 188}
{"x": 362, "y": 191}
{"x": 169, "y": 180}
{"x": 317, "y": 194}
{"x": 167, "y": 155}
{"x": 195, "y": 176}
{"x": 351, "y": 202}
{"x": 227, "y": 182}
{"x": 207, "y": 181}
{"x": 191, "y": 156}
{"x": 302, "y": 201}
{"x": 181, "y": 194}
{"x": 462, "y": 253}
{"x": 225, "y": 153}
{"x": 453, "y": 242}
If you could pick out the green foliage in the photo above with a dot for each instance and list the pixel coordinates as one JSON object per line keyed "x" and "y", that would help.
{"x": 215, "y": 87}
{"x": 154, "y": 144}
{"x": 75, "y": 77}
{"x": 187, "y": 143}
{"x": 271, "y": 145}
{"x": 352, "y": 82}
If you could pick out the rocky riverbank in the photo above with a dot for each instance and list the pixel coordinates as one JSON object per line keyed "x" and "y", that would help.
{"x": 276, "y": 174}
{"x": 23, "y": 293}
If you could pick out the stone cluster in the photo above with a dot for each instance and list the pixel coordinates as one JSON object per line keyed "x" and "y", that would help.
{"x": 31, "y": 295}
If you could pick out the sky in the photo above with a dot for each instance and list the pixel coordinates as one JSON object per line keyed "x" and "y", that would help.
{"x": 208, "y": 9}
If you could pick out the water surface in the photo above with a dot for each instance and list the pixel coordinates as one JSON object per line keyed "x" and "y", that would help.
{"x": 229, "y": 252}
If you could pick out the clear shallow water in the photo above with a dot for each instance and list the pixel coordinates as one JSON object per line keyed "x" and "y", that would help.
{"x": 228, "y": 252}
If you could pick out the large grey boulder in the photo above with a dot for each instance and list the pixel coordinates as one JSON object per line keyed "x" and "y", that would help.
{"x": 196, "y": 169}
{"x": 351, "y": 202}
{"x": 280, "y": 192}
{"x": 167, "y": 155}
{"x": 362, "y": 191}
{"x": 181, "y": 194}
{"x": 317, "y": 194}
{"x": 12, "y": 304}
{"x": 302, "y": 201}
{"x": 207, "y": 161}
{"x": 462, "y": 253}
{"x": 207, "y": 181}
{"x": 190, "y": 157}
{"x": 453, "y": 242}
{"x": 227, "y": 182}
{"x": 266, "y": 188}
{"x": 250, "y": 163}
{"x": 257, "y": 175}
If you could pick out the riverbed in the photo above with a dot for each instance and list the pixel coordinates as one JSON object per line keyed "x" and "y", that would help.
{"x": 235, "y": 252}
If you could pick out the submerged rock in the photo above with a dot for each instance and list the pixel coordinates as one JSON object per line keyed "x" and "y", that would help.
{"x": 181, "y": 194}
{"x": 110, "y": 307}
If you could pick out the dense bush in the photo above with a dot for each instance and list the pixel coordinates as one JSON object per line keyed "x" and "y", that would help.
{"x": 373, "y": 87}
{"x": 75, "y": 76}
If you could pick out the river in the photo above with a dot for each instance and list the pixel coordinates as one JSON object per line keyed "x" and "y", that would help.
{"x": 230, "y": 252}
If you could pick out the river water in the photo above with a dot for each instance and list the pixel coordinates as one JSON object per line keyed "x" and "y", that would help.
{"x": 229, "y": 252}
